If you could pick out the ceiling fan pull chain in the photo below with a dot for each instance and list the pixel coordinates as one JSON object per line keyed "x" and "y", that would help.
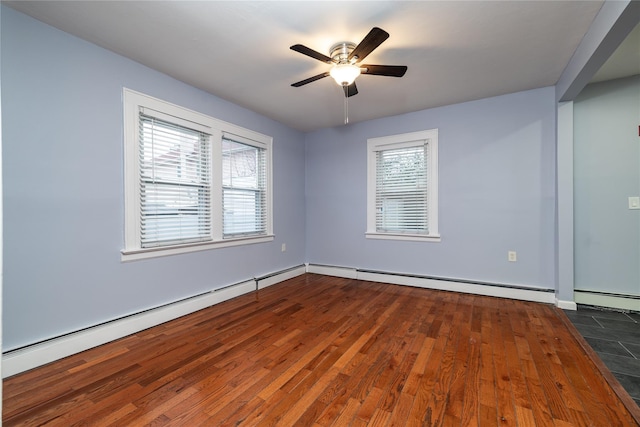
{"x": 346, "y": 110}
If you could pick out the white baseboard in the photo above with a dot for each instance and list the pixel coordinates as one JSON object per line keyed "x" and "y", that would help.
{"x": 600, "y": 299}
{"x": 469, "y": 288}
{"x": 519, "y": 293}
{"x": 40, "y": 354}
{"x": 280, "y": 277}
{"x": 327, "y": 270}
{"x": 566, "y": 305}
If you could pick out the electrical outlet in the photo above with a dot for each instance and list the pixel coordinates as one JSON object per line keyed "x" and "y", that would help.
{"x": 512, "y": 256}
{"x": 284, "y": 247}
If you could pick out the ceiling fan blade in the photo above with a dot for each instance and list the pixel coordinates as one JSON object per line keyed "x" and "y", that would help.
{"x": 371, "y": 41}
{"x": 310, "y": 79}
{"x": 350, "y": 90}
{"x": 384, "y": 70}
{"x": 312, "y": 53}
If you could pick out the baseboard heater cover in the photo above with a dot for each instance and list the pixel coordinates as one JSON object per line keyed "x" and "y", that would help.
{"x": 457, "y": 285}
{"x": 330, "y": 270}
{"x": 607, "y": 299}
{"x": 38, "y": 354}
{"x": 280, "y": 276}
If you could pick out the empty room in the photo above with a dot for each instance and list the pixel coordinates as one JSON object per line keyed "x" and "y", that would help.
{"x": 319, "y": 213}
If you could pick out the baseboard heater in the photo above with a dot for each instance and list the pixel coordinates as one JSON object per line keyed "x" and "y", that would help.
{"x": 519, "y": 292}
{"x": 609, "y": 300}
{"x": 280, "y": 276}
{"x": 40, "y": 353}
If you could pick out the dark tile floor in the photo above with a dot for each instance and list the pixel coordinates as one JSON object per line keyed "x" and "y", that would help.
{"x": 615, "y": 337}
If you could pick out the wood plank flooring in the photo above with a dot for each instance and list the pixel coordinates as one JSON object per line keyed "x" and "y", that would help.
{"x": 325, "y": 351}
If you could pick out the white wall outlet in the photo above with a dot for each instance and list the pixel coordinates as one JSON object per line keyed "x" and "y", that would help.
{"x": 512, "y": 256}
{"x": 634, "y": 202}
{"x": 284, "y": 247}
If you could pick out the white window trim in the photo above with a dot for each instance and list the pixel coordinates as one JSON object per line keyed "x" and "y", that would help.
{"x": 399, "y": 141}
{"x": 132, "y": 102}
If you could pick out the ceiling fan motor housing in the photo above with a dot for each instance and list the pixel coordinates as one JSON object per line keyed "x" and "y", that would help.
{"x": 340, "y": 53}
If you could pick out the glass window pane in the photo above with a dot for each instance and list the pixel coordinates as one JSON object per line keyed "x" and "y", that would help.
{"x": 401, "y": 190}
{"x": 244, "y": 184}
{"x": 174, "y": 184}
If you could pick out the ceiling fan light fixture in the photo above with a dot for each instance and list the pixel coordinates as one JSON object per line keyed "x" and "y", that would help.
{"x": 345, "y": 58}
{"x": 345, "y": 74}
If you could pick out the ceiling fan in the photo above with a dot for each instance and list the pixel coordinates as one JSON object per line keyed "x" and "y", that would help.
{"x": 346, "y": 57}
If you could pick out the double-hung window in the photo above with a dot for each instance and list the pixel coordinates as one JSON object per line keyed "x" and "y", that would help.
{"x": 175, "y": 185}
{"x": 402, "y": 186}
{"x": 244, "y": 197}
{"x": 192, "y": 182}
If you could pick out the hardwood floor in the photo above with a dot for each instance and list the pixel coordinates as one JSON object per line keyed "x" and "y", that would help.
{"x": 320, "y": 351}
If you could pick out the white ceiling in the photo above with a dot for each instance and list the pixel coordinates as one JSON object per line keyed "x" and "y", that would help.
{"x": 455, "y": 51}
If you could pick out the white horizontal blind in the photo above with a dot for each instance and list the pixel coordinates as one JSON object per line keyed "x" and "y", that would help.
{"x": 174, "y": 183}
{"x": 401, "y": 190}
{"x": 244, "y": 198}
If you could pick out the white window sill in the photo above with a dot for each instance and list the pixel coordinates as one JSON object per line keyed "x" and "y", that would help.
{"x": 403, "y": 236}
{"x": 137, "y": 254}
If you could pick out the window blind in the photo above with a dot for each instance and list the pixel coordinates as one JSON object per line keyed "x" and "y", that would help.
{"x": 174, "y": 183}
{"x": 243, "y": 189}
{"x": 401, "y": 190}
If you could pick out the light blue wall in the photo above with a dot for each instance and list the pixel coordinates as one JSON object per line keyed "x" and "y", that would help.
{"x": 606, "y": 173}
{"x": 63, "y": 188}
{"x": 497, "y": 193}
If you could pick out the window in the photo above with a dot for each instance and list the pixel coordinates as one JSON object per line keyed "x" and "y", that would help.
{"x": 175, "y": 203}
{"x": 402, "y": 186}
{"x": 243, "y": 189}
{"x": 192, "y": 182}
